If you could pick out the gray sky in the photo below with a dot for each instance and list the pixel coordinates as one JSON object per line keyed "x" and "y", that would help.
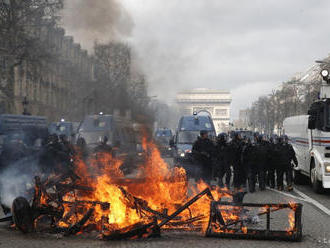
{"x": 246, "y": 46}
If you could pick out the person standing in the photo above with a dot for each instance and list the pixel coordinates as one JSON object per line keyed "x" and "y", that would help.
{"x": 203, "y": 151}
{"x": 271, "y": 164}
{"x": 248, "y": 161}
{"x": 222, "y": 167}
{"x": 284, "y": 156}
{"x": 235, "y": 158}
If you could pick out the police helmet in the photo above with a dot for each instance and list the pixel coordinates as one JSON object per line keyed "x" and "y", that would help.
{"x": 285, "y": 138}
{"x": 280, "y": 140}
{"x": 222, "y": 136}
{"x": 203, "y": 132}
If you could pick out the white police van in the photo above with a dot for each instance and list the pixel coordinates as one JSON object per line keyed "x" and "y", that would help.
{"x": 310, "y": 138}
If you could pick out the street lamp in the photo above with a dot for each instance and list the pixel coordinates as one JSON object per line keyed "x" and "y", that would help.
{"x": 25, "y": 104}
{"x": 325, "y": 73}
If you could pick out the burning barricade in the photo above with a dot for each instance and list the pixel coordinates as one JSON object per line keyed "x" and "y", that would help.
{"x": 96, "y": 198}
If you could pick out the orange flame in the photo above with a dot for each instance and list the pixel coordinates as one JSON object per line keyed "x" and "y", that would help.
{"x": 291, "y": 216}
{"x": 163, "y": 189}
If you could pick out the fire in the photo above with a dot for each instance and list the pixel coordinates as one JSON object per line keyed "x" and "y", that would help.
{"x": 157, "y": 186}
{"x": 291, "y": 216}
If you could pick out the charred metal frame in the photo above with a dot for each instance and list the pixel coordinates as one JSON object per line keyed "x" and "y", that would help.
{"x": 226, "y": 231}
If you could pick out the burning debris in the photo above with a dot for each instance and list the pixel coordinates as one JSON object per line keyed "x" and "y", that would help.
{"x": 232, "y": 220}
{"x": 96, "y": 198}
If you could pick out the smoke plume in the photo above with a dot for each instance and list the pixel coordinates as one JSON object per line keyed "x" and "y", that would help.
{"x": 96, "y": 20}
{"x": 17, "y": 178}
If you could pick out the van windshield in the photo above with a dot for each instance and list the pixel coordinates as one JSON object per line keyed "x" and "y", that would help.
{"x": 196, "y": 123}
{"x": 60, "y": 128}
{"x": 96, "y": 123}
{"x": 187, "y": 137}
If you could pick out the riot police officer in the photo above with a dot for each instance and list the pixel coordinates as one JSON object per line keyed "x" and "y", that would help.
{"x": 248, "y": 158}
{"x": 235, "y": 158}
{"x": 284, "y": 155}
{"x": 51, "y": 155}
{"x": 67, "y": 147}
{"x": 258, "y": 168}
{"x": 271, "y": 165}
{"x": 222, "y": 162}
{"x": 203, "y": 151}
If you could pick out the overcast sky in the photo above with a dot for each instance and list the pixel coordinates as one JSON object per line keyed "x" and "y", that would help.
{"x": 246, "y": 46}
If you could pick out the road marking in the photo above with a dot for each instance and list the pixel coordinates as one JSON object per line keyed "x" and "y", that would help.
{"x": 288, "y": 195}
{"x": 314, "y": 202}
{"x": 305, "y": 198}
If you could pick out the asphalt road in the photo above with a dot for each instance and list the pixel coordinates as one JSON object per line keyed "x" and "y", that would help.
{"x": 315, "y": 219}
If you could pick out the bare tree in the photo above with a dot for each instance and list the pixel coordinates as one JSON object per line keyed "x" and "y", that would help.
{"x": 23, "y": 24}
{"x": 294, "y": 98}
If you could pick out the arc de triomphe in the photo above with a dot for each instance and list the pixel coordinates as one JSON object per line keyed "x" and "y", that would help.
{"x": 214, "y": 102}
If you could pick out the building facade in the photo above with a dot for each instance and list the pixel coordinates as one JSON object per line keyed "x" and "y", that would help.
{"x": 56, "y": 87}
{"x": 216, "y": 103}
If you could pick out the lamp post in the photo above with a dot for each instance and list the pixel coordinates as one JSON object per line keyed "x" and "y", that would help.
{"x": 25, "y": 103}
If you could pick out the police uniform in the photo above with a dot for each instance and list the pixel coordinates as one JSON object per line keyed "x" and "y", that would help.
{"x": 235, "y": 157}
{"x": 271, "y": 165}
{"x": 223, "y": 163}
{"x": 284, "y": 155}
{"x": 203, "y": 151}
{"x": 262, "y": 160}
{"x": 248, "y": 158}
{"x": 259, "y": 157}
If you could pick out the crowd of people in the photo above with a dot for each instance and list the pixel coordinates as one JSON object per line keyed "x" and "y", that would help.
{"x": 242, "y": 162}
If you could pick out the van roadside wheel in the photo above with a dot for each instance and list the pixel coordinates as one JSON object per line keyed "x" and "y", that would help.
{"x": 315, "y": 183}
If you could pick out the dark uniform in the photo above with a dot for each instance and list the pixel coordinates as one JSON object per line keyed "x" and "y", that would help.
{"x": 222, "y": 162}
{"x": 284, "y": 155}
{"x": 67, "y": 147}
{"x": 67, "y": 156}
{"x": 271, "y": 165}
{"x": 262, "y": 161}
{"x": 236, "y": 147}
{"x": 248, "y": 158}
{"x": 51, "y": 155}
{"x": 259, "y": 164}
{"x": 203, "y": 151}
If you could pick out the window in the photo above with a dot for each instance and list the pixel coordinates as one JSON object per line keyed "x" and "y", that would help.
{"x": 221, "y": 112}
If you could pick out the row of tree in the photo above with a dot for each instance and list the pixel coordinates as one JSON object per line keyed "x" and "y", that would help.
{"x": 293, "y": 98}
{"x": 25, "y": 28}
{"x": 119, "y": 84}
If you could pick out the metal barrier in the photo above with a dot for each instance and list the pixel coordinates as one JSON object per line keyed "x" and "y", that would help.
{"x": 235, "y": 226}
